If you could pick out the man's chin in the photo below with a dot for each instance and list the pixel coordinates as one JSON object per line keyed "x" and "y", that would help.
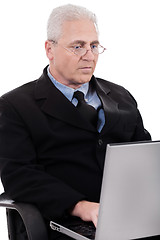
{"x": 79, "y": 80}
{"x": 84, "y": 78}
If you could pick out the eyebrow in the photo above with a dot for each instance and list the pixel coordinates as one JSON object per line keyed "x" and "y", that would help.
{"x": 83, "y": 42}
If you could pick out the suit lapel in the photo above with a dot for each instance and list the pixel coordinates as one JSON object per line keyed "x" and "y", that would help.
{"x": 49, "y": 95}
{"x": 110, "y": 106}
{"x": 67, "y": 112}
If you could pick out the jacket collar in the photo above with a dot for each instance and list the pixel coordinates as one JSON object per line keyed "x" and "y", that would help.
{"x": 66, "y": 111}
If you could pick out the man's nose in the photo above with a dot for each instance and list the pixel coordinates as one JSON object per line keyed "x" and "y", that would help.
{"x": 89, "y": 55}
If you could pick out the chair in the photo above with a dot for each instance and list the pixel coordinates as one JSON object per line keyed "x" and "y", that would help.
{"x": 22, "y": 217}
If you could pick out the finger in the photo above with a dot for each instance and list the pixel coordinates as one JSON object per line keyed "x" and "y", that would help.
{"x": 95, "y": 220}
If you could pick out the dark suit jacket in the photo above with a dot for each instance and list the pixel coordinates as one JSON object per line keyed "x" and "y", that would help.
{"x": 49, "y": 154}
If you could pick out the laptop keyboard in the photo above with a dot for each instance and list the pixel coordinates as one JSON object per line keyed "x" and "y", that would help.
{"x": 85, "y": 229}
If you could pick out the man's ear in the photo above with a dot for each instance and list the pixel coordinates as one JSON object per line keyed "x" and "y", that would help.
{"x": 49, "y": 50}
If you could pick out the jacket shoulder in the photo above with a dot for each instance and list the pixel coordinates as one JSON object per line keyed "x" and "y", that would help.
{"x": 115, "y": 89}
{"x": 24, "y": 90}
{"x": 110, "y": 85}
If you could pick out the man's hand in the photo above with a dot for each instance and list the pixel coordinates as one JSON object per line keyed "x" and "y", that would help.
{"x": 87, "y": 211}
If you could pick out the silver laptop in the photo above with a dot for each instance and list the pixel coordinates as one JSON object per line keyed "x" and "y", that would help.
{"x": 130, "y": 194}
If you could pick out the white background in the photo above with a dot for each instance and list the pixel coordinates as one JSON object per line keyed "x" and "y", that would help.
{"x": 129, "y": 29}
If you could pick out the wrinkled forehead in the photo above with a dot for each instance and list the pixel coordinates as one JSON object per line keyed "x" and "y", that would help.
{"x": 84, "y": 30}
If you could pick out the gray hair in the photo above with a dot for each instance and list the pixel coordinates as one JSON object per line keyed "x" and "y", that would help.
{"x": 64, "y": 13}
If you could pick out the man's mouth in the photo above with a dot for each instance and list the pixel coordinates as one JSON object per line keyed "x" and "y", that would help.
{"x": 86, "y": 68}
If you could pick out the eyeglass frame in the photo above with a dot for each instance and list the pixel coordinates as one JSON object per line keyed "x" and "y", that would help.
{"x": 81, "y": 55}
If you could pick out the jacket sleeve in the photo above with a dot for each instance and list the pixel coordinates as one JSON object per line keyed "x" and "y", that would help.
{"x": 23, "y": 179}
{"x": 140, "y": 134}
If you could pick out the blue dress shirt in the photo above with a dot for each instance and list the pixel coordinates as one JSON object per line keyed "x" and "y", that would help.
{"x": 91, "y": 98}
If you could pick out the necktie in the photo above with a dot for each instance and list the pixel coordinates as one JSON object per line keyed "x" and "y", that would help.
{"x": 86, "y": 110}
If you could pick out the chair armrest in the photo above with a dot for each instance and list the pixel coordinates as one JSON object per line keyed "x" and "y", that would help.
{"x": 33, "y": 221}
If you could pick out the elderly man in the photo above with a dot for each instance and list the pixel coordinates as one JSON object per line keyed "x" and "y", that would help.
{"x": 54, "y": 130}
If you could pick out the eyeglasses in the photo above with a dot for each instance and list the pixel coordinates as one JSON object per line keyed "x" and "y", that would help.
{"x": 81, "y": 51}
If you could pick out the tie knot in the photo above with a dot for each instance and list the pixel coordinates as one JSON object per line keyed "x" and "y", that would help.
{"x": 79, "y": 96}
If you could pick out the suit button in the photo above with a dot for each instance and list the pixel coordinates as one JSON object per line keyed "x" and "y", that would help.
{"x": 100, "y": 142}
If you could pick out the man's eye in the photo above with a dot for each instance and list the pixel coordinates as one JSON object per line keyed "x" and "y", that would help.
{"x": 77, "y": 47}
{"x": 94, "y": 46}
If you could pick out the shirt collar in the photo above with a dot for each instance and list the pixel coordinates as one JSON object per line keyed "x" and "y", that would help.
{"x": 67, "y": 91}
